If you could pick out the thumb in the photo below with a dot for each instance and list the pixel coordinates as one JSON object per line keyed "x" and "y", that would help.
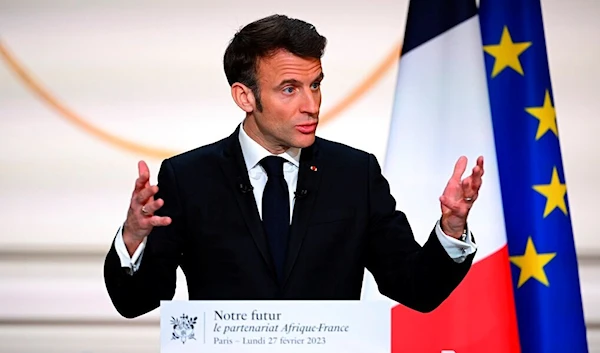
{"x": 447, "y": 204}
{"x": 444, "y": 201}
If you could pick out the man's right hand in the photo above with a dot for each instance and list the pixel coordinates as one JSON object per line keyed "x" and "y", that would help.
{"x": 140, "y": 216}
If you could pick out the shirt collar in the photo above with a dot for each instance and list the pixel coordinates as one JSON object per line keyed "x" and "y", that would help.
{"x": 254, "y": 153}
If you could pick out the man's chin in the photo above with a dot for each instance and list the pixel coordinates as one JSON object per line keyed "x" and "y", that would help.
{"x": 305, "y": 140}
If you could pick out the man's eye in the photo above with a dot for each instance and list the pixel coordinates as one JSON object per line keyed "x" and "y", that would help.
{"x": 288, "y": 90}
{"x": 316, "y": 85}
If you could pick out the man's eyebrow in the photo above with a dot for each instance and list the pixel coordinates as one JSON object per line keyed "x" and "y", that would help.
{"x": 289, "y": 81}
{"x": 293, "y": 81}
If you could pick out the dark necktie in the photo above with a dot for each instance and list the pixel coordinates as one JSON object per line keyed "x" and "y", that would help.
{"x": 276, "y": 210}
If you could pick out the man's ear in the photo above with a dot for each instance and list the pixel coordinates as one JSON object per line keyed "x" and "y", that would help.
{"x": 243, "y": 97}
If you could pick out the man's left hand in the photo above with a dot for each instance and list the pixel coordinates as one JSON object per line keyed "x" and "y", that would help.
{"x": 459, "y": 196}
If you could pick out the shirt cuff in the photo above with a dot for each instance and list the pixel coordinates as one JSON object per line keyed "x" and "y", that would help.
{"x": 131, "y": 263}
{"x": 458, "y": 250}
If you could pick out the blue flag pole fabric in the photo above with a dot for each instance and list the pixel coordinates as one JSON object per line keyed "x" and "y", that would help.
{"x": 533, "y": 183}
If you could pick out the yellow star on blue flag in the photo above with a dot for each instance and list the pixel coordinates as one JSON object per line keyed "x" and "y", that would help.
{"x": 554, "y": 192}
{"x": 506, "y": 53}
{"x": 532, "y": 264}
{"x": 546, "y": 116}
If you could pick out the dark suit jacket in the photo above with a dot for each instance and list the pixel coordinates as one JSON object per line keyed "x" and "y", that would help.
{"x": 346, "y": 221}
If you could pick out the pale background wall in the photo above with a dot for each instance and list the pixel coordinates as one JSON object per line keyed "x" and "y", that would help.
{"x": 150, "y": 72}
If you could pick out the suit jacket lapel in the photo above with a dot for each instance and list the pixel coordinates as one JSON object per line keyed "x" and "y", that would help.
{"x": 309, "y": 176}
{"x": 234, "y": 170}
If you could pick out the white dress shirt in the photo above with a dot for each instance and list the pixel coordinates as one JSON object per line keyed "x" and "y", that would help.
{"x": 253, "y": 154}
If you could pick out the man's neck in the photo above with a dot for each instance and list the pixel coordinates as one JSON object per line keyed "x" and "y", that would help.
{"x": 252, "y": 130}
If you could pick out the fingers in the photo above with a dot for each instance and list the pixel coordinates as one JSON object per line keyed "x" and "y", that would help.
{"x": 478, "y": 169}
{"x": 459, "y": 168}
{"x": 140, "y": 216}
{"x": 143, "y": 176}
{"x": 157, "y": 221}
{"x": 141, "y": 219}
{"x": 143, "y": 169}
{"x": 466, "y": 186}
{"x": 459, "y": 195}
{"x": 153, "y": 206}
{"x": 143, "y": 196}
{"x": 472, "y": 184}
{"x": 476, "y": 179}
{"x": 469, "y": 190}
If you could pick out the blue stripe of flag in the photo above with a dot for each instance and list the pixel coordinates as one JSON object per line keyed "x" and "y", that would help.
{"x": 428, "y": 19}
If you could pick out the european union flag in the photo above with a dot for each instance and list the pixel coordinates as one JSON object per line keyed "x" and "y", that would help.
{"x": 532, "y": 179}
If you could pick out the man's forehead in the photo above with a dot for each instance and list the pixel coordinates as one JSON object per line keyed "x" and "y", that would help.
{"x": 289, "y": 66}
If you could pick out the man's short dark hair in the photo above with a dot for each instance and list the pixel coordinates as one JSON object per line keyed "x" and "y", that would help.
{"x": 264, "y": 37}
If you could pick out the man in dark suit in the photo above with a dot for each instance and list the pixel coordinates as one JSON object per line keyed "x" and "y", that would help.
{"x": 273, "y": 212}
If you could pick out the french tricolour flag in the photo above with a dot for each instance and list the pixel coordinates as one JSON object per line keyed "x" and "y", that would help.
{"x": 441, "y": 111}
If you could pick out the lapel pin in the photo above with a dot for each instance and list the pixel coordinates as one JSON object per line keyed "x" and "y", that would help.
{"x": 313, "y": 168}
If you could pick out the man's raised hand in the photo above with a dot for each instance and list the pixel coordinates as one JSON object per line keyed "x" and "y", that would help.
{"x": 140, "y": 216}
{"x": 459, "y": 196}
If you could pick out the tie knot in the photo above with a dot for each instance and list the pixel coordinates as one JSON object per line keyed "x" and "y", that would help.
{"x": 273, "y": 166}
